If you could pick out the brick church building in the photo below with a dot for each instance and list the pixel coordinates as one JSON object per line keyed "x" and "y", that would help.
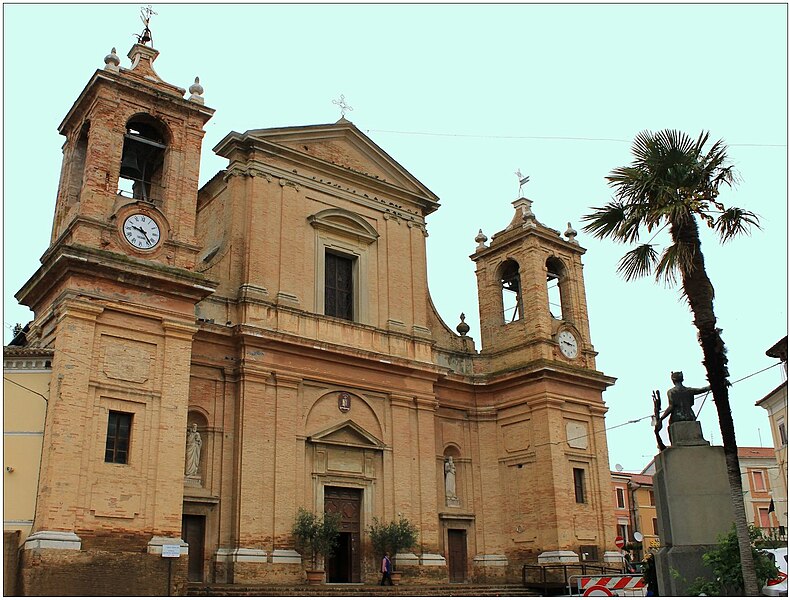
{"x": 224, "y": 355}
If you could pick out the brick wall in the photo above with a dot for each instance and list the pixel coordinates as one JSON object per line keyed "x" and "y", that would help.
{"x": 100, "y": 573}
{"x": 10, "y": 562}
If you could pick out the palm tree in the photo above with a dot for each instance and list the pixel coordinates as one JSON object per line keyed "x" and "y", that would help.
{"x": 672, "y": 183}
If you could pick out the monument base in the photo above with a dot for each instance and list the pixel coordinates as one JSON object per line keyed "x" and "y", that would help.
{"x": 679, "y": 566}
{"x": 693, "y": 505}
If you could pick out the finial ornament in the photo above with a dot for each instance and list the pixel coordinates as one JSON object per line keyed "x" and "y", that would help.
{"x": 196, "y": 91}
{"x": 111, "y": 61}
{"x": 343, "y": 106}
{"x": 481, "y": 239}
{"x": 522, "y": 180}
{"x": 571, "y": 234}
{"x": 145, "y": 16}
{"x": 462, "y": 327}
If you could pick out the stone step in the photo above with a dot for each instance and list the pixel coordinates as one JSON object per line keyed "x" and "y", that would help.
{"x": 478, "y": 590}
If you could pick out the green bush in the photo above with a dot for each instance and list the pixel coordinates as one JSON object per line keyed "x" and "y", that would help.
{"x": 725, "y": 562}
{"x": 316, "y": 536}
{"x": 392, "y": 537}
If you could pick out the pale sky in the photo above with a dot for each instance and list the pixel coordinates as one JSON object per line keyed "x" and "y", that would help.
{"x": 462, "y": 96}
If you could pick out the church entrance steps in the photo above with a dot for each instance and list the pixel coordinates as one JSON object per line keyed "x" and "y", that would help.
{"x": 458, "y": 589}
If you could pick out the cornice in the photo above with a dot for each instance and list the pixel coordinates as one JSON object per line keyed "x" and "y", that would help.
{"x": 64, "y": 259}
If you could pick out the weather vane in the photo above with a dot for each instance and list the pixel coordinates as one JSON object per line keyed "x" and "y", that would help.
{"x": 343, "y": 106}
{"x": 521, "y": 180}
{"x": 145, "y": 17}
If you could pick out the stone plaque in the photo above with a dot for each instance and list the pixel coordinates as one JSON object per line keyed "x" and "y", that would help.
{"x": 349, "y": 461}
{"x": 127, "y": 360}
{"x": 515, "y": 436}
{"x": 576, "y": 434}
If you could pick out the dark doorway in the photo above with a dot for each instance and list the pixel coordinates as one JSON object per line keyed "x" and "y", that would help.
{"x": 456, "y": 550}
{"x": 345, "y": 565}
{"x": 193, "y": 532}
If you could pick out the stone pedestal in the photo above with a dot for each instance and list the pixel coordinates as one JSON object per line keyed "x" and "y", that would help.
{"x": 693, "y": 506}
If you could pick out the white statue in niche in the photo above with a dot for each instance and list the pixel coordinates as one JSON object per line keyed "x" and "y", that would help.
{"x": 194, "y": 444}
{"x": 450, "y": 495}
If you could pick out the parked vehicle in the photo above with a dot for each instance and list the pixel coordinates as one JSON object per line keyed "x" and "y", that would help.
{"x": 778, "y": 586}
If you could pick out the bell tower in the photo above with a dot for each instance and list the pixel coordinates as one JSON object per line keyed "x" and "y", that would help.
{"x": 531, "y": 294}
{"x": 543, "y": 383}
{"x": 115, "y": 299}
{"x": 132, "y": 150}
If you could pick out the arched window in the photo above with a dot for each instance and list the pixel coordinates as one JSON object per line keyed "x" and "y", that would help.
{"x": 144, "y": 147}
{"x": 511, "y": 291}
{"x": 555, "y": 285}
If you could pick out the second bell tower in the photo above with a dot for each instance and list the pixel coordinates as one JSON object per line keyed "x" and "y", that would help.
{"x": 531, "y": 294}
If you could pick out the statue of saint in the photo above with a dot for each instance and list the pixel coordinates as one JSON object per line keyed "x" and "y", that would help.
{"x": 681, "y": 400}
{"x": 194, "y": 443}
{"x": 449, "y": 479}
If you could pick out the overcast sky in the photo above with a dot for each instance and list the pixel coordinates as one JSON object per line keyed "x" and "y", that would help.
{"x": 462, "y": 96}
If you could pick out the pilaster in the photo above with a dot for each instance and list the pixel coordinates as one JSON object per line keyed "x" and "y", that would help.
{"x": 286, "y": 465}
{"x": 67, "y": 410}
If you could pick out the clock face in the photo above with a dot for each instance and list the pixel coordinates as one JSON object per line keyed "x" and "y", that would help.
{"x": 568, "y": 344}
{"x": 141, "y": 231}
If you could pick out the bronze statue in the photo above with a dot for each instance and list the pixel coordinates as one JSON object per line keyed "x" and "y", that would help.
{"x": 681, "y": 400}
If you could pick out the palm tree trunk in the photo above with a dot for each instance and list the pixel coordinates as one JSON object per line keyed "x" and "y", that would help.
{"x": 699, "y": 293}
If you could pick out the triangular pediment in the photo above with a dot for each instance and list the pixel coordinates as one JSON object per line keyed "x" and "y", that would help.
{"x": 347, "y": 433}
{"x": 343, "y": 145}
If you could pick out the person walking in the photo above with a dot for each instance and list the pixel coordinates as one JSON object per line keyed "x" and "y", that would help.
{"x": 386, "y": 569}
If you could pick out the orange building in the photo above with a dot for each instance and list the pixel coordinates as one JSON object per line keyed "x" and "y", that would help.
{"x": 761, "y": 480}
{"x": 228, "y": 354}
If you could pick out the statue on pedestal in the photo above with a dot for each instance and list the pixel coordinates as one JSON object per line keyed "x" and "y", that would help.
{"x": 194, "y": 445}
{"x": 450, "y": 494}
{"x": 681, "y": 400}
{"x": 680, "y": 412}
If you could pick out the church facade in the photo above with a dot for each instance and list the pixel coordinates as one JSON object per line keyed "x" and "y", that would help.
{"x": 225, "y": 355}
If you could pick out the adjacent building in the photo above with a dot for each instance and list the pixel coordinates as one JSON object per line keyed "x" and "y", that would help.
{"x": 761, "y": 481}
{"x": 223, "y": 356}
{"x": 775, "y": 404}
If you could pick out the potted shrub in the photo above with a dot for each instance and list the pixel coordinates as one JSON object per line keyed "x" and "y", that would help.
{"x": 316, "y": 537}
{"x": 392, "y": 537}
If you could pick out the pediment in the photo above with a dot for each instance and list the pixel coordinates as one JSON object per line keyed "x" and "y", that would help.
{"x": 343, "y": 145}
{"x": 344, "y": 223}
{"x": 347, "y": 434}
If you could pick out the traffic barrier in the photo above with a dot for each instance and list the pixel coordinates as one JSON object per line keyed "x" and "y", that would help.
{"x": 608, "y": 585}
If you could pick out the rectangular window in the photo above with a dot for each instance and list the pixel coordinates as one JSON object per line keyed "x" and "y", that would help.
{"x": 782, "y": 433}
{"x": 655, "y": 526}
{"x": 578, "y": 485}
{"x": 622, "y": 531}
{"x": 651, "y": 497}
{"x": 758, "y": 477}
{"x": 765, "y": 519}
{"x": 620, "y": 497}
{"x": 339, "y": 286}
{"x": 119, "y": 429}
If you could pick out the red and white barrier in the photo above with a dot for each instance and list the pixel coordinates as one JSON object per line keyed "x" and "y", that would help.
{"x": 609, "y": 585}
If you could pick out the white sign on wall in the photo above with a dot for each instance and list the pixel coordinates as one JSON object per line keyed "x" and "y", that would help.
{"x": 171, "y": 550}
